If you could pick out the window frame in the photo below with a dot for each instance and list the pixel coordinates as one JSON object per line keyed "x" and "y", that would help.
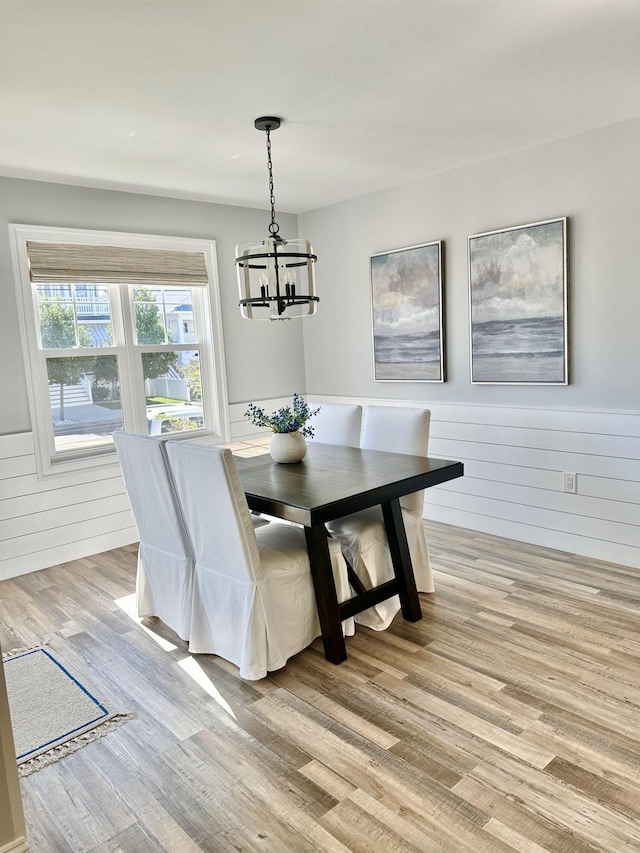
{"x": 207, "y": 316}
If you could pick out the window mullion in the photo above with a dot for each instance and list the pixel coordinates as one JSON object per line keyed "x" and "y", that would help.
{"x": 84, "y": 441}
{"x": 131, "y": 381}
{"x": 76, "y": 352}
{"x": 43, "y": 392}
{"x": 209, "y": 396}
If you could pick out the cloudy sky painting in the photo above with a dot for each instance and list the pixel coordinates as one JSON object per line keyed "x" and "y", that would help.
{"x": 407, "y": 314}
{"x": 518, "y": 304}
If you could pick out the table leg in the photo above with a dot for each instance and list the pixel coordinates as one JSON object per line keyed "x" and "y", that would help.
{"x": 326, "y": 597}
{"x": 401, "y": 558}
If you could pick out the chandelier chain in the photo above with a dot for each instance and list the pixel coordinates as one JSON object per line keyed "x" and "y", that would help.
{"x": 273, "y": 227}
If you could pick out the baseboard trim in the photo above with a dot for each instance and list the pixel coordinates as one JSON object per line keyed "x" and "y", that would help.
{"x": 18, "y": 846}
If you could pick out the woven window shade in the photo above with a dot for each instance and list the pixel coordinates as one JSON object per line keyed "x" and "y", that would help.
{"x": 81, "y": 263}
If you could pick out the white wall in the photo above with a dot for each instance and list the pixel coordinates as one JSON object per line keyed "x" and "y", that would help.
{"x": 262, "y": 359}
{"x": 514, "y": 458}
{"x": 57, "y": 519}
{"x": 594, "y": 179}
{"x": 515, "y": 441}
{"x": 74, "y": 515}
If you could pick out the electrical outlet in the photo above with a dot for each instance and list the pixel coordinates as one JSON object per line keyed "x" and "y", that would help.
{"x": 569, "y": 482}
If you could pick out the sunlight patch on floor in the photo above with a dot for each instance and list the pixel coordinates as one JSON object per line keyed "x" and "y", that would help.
{"x": 192, "y": 667}
{"x": 128, "y": 605}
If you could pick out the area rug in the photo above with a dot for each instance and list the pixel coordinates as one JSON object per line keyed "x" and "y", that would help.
{"x": 52, "y": 712}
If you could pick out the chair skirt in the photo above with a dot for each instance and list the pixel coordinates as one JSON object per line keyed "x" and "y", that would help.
{"x": 364, "y": 544}
{"x": 164, "y": 588}
{"x": 259, "y": 625}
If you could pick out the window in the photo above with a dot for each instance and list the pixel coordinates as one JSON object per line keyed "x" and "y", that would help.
{"x": 120, "y": 331}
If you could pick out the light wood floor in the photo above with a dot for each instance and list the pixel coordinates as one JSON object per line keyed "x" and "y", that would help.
{"x": 507, "y": 719}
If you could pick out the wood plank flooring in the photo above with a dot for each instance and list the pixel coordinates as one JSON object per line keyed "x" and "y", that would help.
{"x": 507, "y": 719}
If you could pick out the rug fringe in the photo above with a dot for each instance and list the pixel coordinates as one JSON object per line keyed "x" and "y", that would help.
{"x": 58, "y": 752}
{"x": 25, "y": 649}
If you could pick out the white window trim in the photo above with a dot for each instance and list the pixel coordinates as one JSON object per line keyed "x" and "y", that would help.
{"x": 212, "y": 359}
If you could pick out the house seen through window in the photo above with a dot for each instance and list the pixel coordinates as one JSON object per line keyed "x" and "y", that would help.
{"x": 131, "y": 351}
{"x": 85, "y": 391}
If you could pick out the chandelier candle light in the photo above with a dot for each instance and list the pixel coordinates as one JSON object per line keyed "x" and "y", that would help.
{"x": 276, "y": 278}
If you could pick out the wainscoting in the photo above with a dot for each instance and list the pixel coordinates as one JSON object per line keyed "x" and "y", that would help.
{"x": 67, "y": 517}
{"x": 514, "y": 459}
{"x": 70, "y": 516}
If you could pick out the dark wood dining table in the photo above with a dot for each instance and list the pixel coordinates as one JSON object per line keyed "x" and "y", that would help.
{"x": 333, "y": 481}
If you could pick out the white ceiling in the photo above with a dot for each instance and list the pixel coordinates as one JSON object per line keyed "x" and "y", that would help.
{"x": 159, "y": 96}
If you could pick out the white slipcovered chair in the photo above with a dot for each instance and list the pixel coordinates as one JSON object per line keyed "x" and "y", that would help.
{"x": 164, "y": 582}
{"x": 396, "y": 429}
{"x": 253, "y": 597}
{"x": 337, "y": 423}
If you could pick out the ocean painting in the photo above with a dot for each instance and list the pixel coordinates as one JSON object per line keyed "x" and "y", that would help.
{"x": 518, "y": 305}
{"x": 406, "y": 298}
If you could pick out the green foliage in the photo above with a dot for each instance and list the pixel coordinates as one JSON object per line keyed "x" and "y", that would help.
{"x": 67, "y": 371}
{"x": 153, "y": 401}
{"x": 191, "y": 373}
{"x": 178, "y": 424}
{"x": 105, "y": 372}
{"x": 58, "y": 331}
{"x": 149, "y": 325}
{"x": 286, "y": 419}
{"x": 156, "y": 364}
{"x": 58, "y": 328}
{"x": 100, "y": 393}
{"x": 150, "y": 330}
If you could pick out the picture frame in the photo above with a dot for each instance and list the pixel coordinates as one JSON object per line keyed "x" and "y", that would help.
{"x": 407, "y": 309}
{"x": 518, "y": 305}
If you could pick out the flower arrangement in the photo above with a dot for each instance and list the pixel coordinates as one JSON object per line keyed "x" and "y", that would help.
{"x": 286, "y": 419}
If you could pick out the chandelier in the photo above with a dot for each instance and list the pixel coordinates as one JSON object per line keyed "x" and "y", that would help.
{"x": 276, "y": 277}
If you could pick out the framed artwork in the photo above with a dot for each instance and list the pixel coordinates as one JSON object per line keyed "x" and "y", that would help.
{"x": 407, "y": 308}
{"x": 518, "y": 305}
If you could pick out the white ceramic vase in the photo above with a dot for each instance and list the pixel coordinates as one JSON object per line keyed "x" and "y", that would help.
{"x": 287, "y": 446}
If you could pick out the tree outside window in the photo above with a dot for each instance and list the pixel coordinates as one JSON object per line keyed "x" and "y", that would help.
{"x": 151, "y": 330}
{"x": 59, "y": 331}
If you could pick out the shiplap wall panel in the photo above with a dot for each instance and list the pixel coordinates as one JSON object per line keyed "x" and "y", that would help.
{"x": 514, "y": 459}
{"x": 74, "y": 514}
{"x": 28, "y": 484}
{"x": 601, "y": 487}
{"x": 563, "y": 441}
{"x": 18, "y": 466}
{"x": 597, "y": 487}
{"x": 28, "y": 503}
{"x": 74, "y": 532}
{"x": 17, "y": 444}
{"x": 242, "y": 427}
{"x": 537, "y": 478}
{"x": 579, "y": 525}
{"x": 562, "y": 502}
{"x": 523, "y": 531}
{"x": 563, "y": 420}
{"x": 33, "y": 562}
{"x": 53, "y": 519}
{"x": 61, "y": 517}
{"x": 551, "y": 460}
